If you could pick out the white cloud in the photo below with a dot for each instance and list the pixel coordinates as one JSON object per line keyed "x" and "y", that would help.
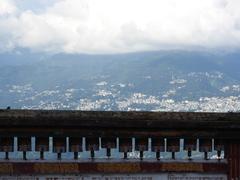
{"x": 7, "y": 7}
{"x": 110, "y": 26}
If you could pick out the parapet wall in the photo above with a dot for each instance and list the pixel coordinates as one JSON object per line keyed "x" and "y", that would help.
{"x": 156, "y": 139}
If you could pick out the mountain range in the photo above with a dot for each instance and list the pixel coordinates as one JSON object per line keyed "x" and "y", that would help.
{"x": 131, "y": 81}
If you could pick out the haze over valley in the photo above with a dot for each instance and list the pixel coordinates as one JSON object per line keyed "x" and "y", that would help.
{"x": 147, "y": 81}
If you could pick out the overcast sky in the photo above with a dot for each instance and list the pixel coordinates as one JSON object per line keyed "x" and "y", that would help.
{"x": 114, "y": 26}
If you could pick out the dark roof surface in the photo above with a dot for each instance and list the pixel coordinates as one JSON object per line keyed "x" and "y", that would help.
{"x": 57, "y": 117}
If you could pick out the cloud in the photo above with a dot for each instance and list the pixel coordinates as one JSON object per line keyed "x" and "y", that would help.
{"x": 113, "y": 26}
{"x": 7, "y": 7}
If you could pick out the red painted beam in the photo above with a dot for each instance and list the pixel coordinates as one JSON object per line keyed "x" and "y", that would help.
{"x": 28, "y": 168}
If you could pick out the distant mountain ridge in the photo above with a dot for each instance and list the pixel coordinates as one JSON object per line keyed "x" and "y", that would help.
{"x": 175, "y": 75}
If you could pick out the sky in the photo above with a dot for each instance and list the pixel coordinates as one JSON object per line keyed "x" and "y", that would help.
{"x": 118, "y": 26}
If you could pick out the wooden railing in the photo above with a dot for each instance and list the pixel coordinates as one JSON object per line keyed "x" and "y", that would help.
{"x": 169, "y": 138}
